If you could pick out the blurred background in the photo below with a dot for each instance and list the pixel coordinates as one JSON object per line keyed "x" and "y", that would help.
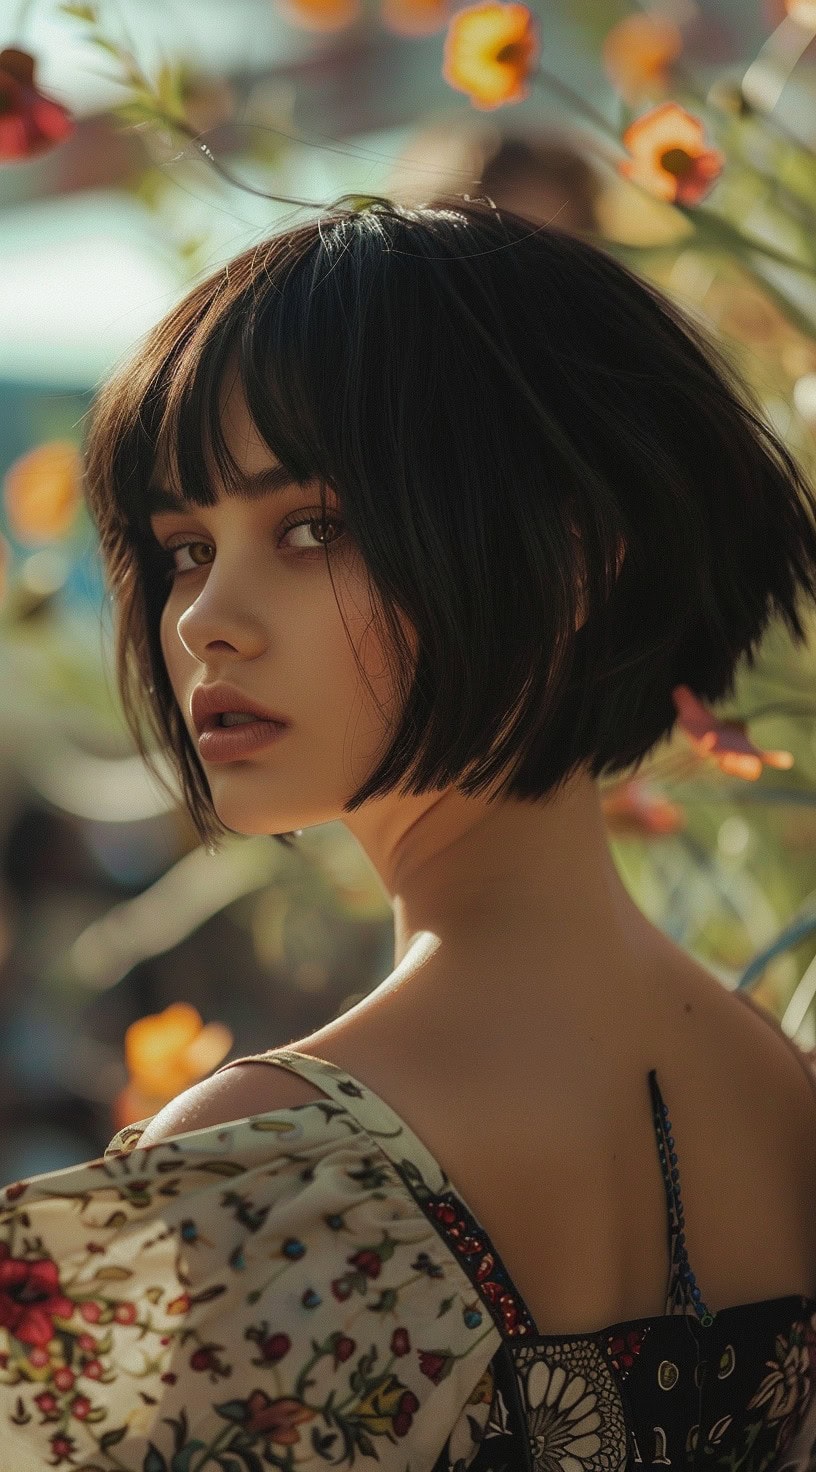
{"x": 139, "y": 145}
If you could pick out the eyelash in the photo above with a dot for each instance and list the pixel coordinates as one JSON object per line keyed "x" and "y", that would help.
{"x": 172, "y": 547}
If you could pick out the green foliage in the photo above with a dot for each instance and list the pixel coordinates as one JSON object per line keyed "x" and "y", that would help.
{"x": 79, "y": 11}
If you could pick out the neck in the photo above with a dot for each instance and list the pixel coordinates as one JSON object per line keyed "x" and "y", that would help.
{"x": 521, "y": 896}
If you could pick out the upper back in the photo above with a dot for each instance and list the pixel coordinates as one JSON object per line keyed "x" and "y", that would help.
{"x": 558, "y": 1157}
{"x": 645, "y": 1245}
{"x": 572, "y": 1191}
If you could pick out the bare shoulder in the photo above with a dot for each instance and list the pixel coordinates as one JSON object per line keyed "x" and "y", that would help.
{"x": 251, "y": 1087}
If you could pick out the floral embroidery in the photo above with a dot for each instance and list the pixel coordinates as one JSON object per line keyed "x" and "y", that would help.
{"x": 306, "y": 1289}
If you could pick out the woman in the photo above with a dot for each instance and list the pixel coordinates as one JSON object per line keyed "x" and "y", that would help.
{"x": 440, "y": 507}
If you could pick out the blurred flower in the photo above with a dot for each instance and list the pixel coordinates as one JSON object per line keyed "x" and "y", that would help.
{"x": 635, "y": 808}
{"x": 414, "y": 17}
{"x": 669, "y": 155}
{"x": 43, "y": 492}
{"x": 637, "y": 52}
{"x": 725, "y": 741}
{"x": 490, "y": 51}
{"x": 802, "y": 11}
{"x": 30, "y": 123}
{"x": 166, "y": 1052}
{"x": 319, "y": 15}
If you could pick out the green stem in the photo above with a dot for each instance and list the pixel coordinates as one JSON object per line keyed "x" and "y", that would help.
{"x": 111, "y": 1456}
{"x": 214, "y": 1446}
{"x": 556, "y": 85}
{"x": 720, "y": 231}
{"x": 316, "y": 204}
{"x": 797, "y": 318}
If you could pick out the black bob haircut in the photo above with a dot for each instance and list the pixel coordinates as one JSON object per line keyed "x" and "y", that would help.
{"x": 548, "y": 469}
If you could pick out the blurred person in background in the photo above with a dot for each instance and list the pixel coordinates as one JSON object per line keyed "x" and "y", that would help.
{"x": 536, "y": 172}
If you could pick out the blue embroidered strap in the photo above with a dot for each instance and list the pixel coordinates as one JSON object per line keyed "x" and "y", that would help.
{"x": 682, "y": 1282}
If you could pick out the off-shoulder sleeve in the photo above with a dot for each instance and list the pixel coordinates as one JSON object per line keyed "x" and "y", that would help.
{"x": 262, "y": 1294}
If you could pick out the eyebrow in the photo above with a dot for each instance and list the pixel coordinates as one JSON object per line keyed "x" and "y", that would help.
{"x": 274, "y": 478}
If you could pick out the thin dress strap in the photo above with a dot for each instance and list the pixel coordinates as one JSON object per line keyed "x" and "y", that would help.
{"x": 682, "y": 1289}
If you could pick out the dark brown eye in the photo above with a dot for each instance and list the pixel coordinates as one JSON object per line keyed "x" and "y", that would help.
{"x": 322, "y": 523}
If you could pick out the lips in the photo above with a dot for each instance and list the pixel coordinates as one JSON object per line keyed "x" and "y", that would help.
{"x": 210, "y": 702}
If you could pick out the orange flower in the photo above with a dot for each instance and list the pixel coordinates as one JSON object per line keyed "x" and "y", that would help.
{"x": 320, "y": 15}
{"x": 169, "y": 1051}
{"x": 179, "y": 1305}
{"x": 802, "y": 11}
{"x": 634, "y": 808}
{"x": 490, "y": 51}
{"x": 669, "y": 156}
{"x": 637, "y": 52}
{"x": 30, "y": 123}
{"x": 414, "y": 17}
{"x": 43, "y": 491}
{"x": 725, "y": 741}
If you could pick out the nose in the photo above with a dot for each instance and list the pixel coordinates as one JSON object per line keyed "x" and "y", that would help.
{"x": 216, "y": 623}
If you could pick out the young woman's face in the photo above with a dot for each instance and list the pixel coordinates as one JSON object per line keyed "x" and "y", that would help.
{"x": 251, "y": 603}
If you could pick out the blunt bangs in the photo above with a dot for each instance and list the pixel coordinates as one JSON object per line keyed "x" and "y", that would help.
{"x": 550, "y": 470}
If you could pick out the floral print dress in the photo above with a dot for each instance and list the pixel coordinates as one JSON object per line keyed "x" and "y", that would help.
{"x": 306, "y": 1289}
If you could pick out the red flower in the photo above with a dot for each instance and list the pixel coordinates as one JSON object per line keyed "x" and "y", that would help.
{"x": 201, "y": 1359}
{"x": 367, "y": 1261}
{"x": 275, "y": 1347}
{"x": 30, "y": 123}
{"x": 30, "y": 1296}
{"x": 343, "y": 1348}
{"x": 63, "y": 1447}
{"x": 623, "y": 1350}
{"x": 408, "y": 1403}
{"x": 435, "y": 1366}
{"x": 726, "y": 741}
{"x": 47, "y": 1403}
